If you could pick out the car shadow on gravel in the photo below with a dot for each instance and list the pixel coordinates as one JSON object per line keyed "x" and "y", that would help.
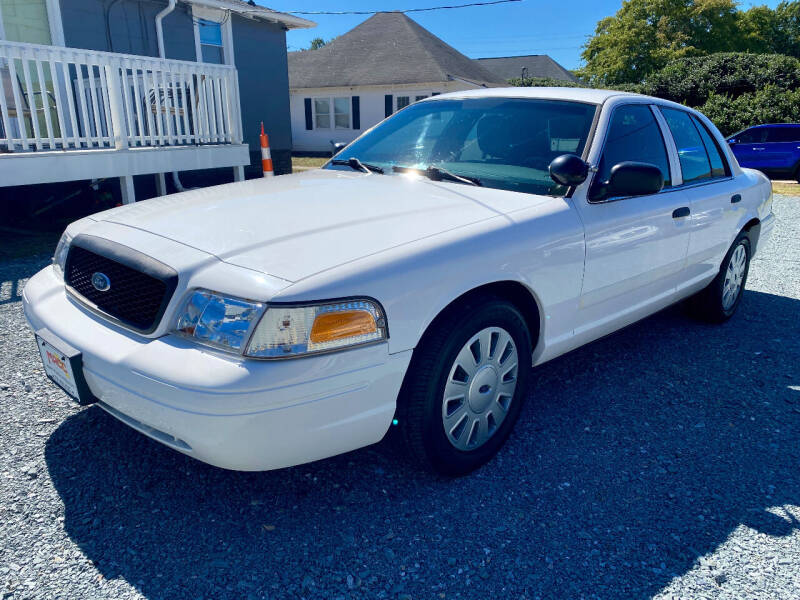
{"x": 634, "y": 456}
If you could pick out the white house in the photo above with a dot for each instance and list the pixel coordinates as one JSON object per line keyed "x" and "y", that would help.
{"x": 363, "y": 76}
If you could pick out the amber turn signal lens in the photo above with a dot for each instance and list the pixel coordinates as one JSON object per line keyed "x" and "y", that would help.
{"x": 332, "y": 326}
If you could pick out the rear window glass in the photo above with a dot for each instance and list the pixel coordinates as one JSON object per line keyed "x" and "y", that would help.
{"x": 691, "y": 150}
{"x": 783, "y": 134}
{"x": 719, "y": 168}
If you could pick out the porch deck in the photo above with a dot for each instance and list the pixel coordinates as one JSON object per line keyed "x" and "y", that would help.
{"x": 69, "y": 114}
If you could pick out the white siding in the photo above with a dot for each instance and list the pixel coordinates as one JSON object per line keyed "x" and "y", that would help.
{"x": 372, "y": 110}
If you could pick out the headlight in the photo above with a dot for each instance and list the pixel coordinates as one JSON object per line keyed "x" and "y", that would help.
{"x": 60, "y": 255}
{"x": 288, "y": 331}
{"x": 218, "y": 320}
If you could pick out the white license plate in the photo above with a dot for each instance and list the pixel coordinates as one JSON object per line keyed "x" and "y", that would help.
{"x": 58, "y": 367}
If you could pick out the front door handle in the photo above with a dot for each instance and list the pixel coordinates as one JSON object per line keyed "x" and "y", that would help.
{"x": 762, "y": 148}
{"x": 681, "y": 212}
{"x": 736, "y": 198}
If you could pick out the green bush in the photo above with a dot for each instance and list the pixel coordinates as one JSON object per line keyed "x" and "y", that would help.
{"x": 768, "y": 105}
{"x": 693, "y": 80}
{"x": 542, "y": 82}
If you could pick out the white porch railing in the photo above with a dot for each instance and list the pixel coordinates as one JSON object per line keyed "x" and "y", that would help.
{"x": 56, "y": 98}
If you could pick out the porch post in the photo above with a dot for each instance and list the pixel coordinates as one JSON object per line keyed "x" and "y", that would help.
{"x": 118, "y": 127}
{"x": 161, "y": 184}
{"x": 127, "y": 189}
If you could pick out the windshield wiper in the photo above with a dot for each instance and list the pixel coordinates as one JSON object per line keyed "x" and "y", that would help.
{"x": 438, "y": 174}
{"x": 357, "y": 165}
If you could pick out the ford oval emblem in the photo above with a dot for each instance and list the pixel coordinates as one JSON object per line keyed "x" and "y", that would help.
{"x": 101, "y": 282}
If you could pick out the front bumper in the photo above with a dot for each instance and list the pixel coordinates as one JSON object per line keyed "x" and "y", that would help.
{"x": 237, "y": 414}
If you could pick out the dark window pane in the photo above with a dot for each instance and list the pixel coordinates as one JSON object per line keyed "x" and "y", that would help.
{"x": 783, "y": 134}
{"x": 752, "y": 136}
{"x": 213, "y": 54}
{"x": 691, "y": 150}
{"x": 634, "y": 136}
{"x": 718, "y": 164}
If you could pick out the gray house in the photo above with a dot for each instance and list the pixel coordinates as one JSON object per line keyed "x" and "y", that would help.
{"x": 532, "y": 65}
{"x": 121, "y": 88}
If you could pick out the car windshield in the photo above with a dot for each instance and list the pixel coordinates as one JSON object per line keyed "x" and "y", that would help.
{"x": 502, "y": 143}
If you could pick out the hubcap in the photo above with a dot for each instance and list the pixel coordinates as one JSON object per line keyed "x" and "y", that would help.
{"x": 480, "y": 388}
{"x": 734, "y": 275}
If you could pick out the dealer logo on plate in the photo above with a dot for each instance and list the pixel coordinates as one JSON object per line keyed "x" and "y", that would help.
{"x": 101, "y": 282}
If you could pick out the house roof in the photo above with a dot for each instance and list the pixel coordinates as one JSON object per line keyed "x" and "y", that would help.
{"x": 254, "y": 11}
{"x": 537, "y": 65}
{"x": 388, "y": 48}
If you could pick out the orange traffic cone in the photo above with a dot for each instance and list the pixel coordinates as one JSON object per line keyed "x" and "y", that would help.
{"x": 266, "y": 157}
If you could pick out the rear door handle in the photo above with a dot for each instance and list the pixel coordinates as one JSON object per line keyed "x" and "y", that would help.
{"x": 736, "y": 198}
{"x": 681, "y": 212}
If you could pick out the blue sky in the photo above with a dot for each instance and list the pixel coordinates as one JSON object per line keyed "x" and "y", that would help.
{"x": 529, "y": 27}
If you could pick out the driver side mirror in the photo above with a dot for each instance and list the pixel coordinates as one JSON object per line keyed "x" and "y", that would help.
{"x": 569, "y": 170}
{"x": 630, "y": 178}
{"x": 731, "y": 141}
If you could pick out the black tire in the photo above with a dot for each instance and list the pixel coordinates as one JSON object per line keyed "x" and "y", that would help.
{"x": 420, "y": 403}
{"x": 708, "y": 304}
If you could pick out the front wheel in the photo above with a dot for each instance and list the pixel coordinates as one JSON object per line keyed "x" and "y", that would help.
{"x": 720, "y": 299}
{"x": 465, "y": 386}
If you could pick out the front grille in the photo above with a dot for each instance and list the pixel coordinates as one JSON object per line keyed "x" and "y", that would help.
{"x": 135, "y": 298}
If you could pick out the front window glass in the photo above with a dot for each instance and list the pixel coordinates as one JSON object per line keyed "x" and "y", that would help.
{"x": 691, "y": 150}
{"x": 751, "y": 136}
{"x": 403, "y": 101}
{"x": 506, "y": 143}
{"x": 633, "y": 135}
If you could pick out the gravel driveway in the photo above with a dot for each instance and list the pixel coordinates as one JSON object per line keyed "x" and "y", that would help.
{"x": 660, "y": 461}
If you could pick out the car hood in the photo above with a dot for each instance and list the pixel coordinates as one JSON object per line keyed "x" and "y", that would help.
{"x": 295, "y": 226}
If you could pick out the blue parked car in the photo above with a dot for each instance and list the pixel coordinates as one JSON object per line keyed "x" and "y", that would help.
{"x": 772, "y": 149}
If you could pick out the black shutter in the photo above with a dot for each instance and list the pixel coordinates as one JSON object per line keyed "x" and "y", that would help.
{"x": 309, "y": 118}
{"x": 356, "y": 112}
{"x": 387, "y": 103}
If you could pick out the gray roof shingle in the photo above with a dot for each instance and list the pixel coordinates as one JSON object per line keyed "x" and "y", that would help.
{"x": 388, "y": 48}
{"x": 538, "y": 65}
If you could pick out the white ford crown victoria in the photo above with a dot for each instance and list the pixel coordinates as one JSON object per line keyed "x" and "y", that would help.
{"x": 413, "y": 281}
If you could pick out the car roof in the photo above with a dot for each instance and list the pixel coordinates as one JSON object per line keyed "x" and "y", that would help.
{"x": 546, "y": 93}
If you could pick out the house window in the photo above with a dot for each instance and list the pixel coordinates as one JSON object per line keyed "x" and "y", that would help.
{"x": 339, "y": 117}
{"x": 322, "y": 113}
{"x": 211, "y": 46}
{"x": 403, "y": 101}
{"x": 418, "y": 98}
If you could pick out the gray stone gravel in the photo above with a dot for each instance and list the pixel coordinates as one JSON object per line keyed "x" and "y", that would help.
{"x": 660, "y": 461}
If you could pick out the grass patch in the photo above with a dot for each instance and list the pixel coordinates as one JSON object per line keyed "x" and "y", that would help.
{"x": 307, "y": 162}
{"x": 787, "y": 188}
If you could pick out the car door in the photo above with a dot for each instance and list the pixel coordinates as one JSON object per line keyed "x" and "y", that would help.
{"x": 781, "y": 153}
{"x": 636, "y": 246}
{"x": 748, "y": 147}
{"x": 711, "y": 191}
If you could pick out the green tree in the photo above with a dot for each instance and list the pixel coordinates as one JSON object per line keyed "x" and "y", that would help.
{"x": 772, "y": 31}
{"x": 645, "y": 35}
{"x": 317, "y": 43}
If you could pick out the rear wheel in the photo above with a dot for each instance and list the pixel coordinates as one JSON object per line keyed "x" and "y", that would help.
{"x": 720, "y": 299}
{"x": 465, "y": 386}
